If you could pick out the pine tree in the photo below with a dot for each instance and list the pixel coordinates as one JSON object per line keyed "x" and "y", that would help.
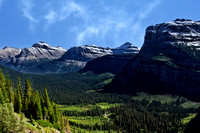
{"x": 62, "y": 123}
{"x": 19, "y": 87}
{"x": 26, "y": 100}
{"x": 46, "y": 101}
{"x": 18, "y": 98}
{"x": 10, "y": 91}
{"x": 38, "y": 107}
{"x": 48, "y": 110}
{"x": 56, "y": 112}
{"x": 1, "y": 97}
{"x": 18, "y": 101}
{"x": 45, "y": 113}
{"x": 2, "y": 85}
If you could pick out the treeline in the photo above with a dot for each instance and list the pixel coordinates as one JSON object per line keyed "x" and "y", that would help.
{"x": 32, "y": 104}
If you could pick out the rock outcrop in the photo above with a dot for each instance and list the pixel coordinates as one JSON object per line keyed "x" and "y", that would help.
{"x": 168, "y": 62}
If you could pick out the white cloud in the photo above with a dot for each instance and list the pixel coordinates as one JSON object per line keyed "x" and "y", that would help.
{"x": 51, "y": 18}
{"x": 26, "y": 7}
{"x": 66, "y": 10}
{"x": 114, "y": 23}
{"x": 69, "y": 8}
{"x": 144, "y": 13}
{"x": 87, "y": 32}
{"x": 1, "y": 2}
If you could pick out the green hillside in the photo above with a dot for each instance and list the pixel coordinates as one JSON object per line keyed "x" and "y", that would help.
{"x": 70, "y": 88}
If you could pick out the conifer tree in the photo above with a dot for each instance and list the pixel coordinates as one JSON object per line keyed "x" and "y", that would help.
{"x": 62, "y": 123}
{"x": 1, "y": 97}
{"x": 18, "y": 101}
{"x": 38, "y": 107}
{"x": 45, "y": 113}
{"x": 48, "y": 110}
{"x": 56, "y": 112}
{"x": 3, "y": 84}
{"x": 19, "y": 87}
{"x": 27, "y": 95}
{"x": 18, "y": 98}
{"x": 9, "y": 89}
{"x": 46, "y": 101}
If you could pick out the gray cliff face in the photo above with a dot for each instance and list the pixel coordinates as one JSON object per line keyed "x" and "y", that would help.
{"x": 43, "y": 58}
{"x": 168, "y": 62}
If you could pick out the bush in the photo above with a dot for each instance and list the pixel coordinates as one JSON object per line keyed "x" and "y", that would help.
{"x": 44, "y": 123}
{"x": 10, "y": 121}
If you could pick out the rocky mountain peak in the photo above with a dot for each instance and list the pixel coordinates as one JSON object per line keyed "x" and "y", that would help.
{"x": 44, "y": 45}
{"x": 181, "y": 34}
{"x": 126, "y": 48}
{"x": 125, "y": 45}
{"x": 168, "y": 62}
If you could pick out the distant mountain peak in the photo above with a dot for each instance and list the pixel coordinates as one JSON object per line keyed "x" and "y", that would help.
{"x": 41, "y": 45}
{"x": 44, "y": 45}
{"x": 126, "y": 48}
{"x": 125, "y": 45}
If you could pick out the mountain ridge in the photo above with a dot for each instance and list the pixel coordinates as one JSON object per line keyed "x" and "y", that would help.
{"x": 43, "y": 58}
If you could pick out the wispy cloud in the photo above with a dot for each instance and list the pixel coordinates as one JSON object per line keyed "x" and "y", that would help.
{"x": 86, "y": 22}
{"x": 100, "y": 24}
{"x": 66, "y": 10}
{"x": 50, "y": 18}
{"x": 144, "y": 13}
{"x": 1, "y": 2}
{"x": 87, "y": 32}
{"x": 26, "y": 7}
{"x": 70, "y": 8}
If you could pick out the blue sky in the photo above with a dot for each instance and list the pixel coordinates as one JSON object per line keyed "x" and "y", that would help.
{"x": 67, "y": 23}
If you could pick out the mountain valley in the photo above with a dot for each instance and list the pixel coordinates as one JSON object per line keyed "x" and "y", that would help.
{"x": 97, "y": 89}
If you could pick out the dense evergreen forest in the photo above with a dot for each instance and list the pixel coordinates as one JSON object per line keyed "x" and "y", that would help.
{"x": 70, "y": 88}
{"x": 138, "y": 117}
{"x": 35, "y": 106}
{"x": 130, "y": 115}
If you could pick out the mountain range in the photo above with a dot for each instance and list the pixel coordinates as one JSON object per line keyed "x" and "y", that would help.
{"x": 168, "y": 62}
{"x": 42, "y": 58}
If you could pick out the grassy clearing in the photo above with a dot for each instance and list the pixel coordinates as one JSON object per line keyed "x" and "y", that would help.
{"x": 108, "y": 81}
{"x": 82, "y": 108}
{"x": 76, "y": 130}
{"x": 162, "y": 98}
{"x": 87, "y": 120}
{"x": 190, "y": 104}
{"x": 188, "y": 119}
{"x": 75, "y": 108}
{"x": 107, "y": 105}
{"x": 167, "y": 98}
